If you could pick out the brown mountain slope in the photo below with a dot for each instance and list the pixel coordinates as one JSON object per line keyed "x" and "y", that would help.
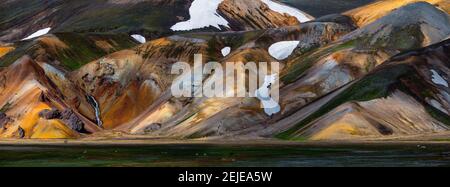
{"x": 320, "y": 72}
{"x": 65, "y": 85}
{"x": 25, "y": 92}
{"x": 217, "y": 116}
{"x": 125, "y": 83}
{"x": 370, "y": 13}
{"x": 407, "y": 95}
{"x": 331, "y": 67}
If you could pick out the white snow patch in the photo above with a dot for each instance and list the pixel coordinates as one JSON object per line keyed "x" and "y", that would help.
{"x": 38, "y": 33}
{"x": 438, "y": 106}
{"x": 283, "y": 9}
{"x": 226, "y": 51}
{"x": 263, "y": 94}
{"x": 437, "y": 79}
{"x": 203, "y": 14}
{"x": 139, "y": 38}
{"x": 282, "y": 50}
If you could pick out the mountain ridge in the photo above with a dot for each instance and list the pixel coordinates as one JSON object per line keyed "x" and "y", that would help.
{"x": 375, "y": 72}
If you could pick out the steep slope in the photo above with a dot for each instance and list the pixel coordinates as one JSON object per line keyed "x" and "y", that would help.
{"x": 27, "y": 95}
{"x": 316, "y": 73}
{"x": 407, "y": 95}
{"x": 199, "y": 117}
{"x": 318, "y": 8}
{"x": 150, "y": 18}
{"x": 68, "y": 50}
{"x": 367, "y": 14}
{"x": 261, "y": 14}
{"x": 125, "y": 83}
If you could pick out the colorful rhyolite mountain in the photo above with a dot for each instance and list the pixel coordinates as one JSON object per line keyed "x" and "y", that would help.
{"x": 102, "y": 68}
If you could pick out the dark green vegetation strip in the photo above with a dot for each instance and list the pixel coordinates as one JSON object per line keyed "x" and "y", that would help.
{"x": 424, "y": 92}
{"x": 81, "y": 49}
{"x": 437, "y": 114}
{"x": 216, "y": 41}
{"x": 150, "y": 18}
{"x": 21, "y": 48}
{"x": 5, "y": 107}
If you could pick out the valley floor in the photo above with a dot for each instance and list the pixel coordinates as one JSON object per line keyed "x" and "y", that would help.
{"x": 257, "y": 153}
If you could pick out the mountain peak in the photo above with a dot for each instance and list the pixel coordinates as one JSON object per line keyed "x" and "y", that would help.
{"x": 416, "y": 24}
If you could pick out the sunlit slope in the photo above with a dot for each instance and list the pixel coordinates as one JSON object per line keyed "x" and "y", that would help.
{"x": 407, "y": 95}
{"x": 68, "y": 50}
{"x": 26, "y": 92}
{"x": 370, "y": 13}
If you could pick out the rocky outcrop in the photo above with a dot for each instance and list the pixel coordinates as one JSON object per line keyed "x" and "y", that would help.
{"x": 152, "y": 127}
{"x": 50, "y": 114}
{"x": 206, "y": 116}
{"x": 245, "y": 15}
{"x": 32, "y": 98}
{"x": 20, "y": 133}
{"x": 72, "y": 120}
{"x": 67, "y": 116}
{"x": 4, "y": 119}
